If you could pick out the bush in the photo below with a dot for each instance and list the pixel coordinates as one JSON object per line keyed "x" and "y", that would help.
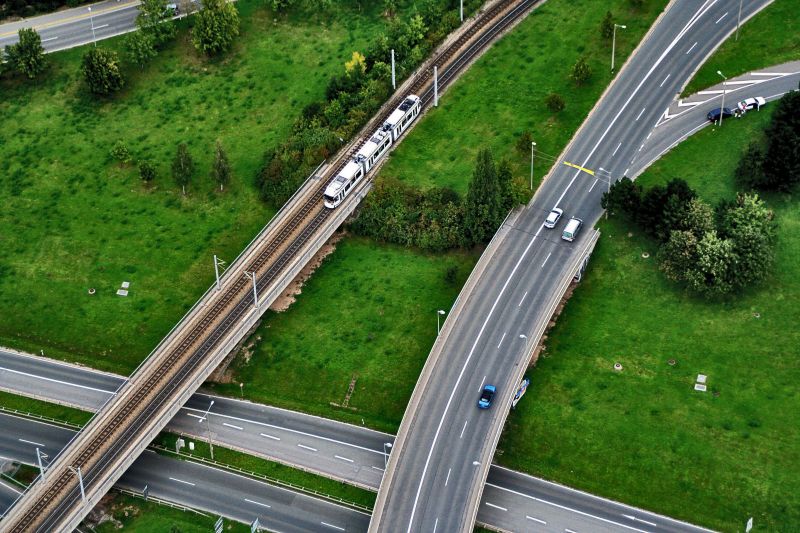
{"x": 554, "y": 102}
{"x": 120, "y": 152}
{"x": 147, "y": 171}
{"x": 101, "y": 71}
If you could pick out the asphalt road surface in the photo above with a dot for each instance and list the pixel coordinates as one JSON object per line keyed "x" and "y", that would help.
{"x": 194, "y": 485}
{"x": 445, "y": 444}
{"x": 73, "y": 27}
{"x": 333, "y": 449}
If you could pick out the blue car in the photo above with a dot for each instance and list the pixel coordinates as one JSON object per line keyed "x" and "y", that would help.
{"x": 486, "y": 396}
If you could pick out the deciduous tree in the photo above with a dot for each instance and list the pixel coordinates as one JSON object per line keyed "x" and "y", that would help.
{"x": 182, "y": 167}
{"x": 101, "y": 71}
{"x": 607, "y": 26}
{"x": 216, "y": 25}
{"x": 147, "y": 171}
{"x": 140, "y": 47}
{"x": 27, "y": 55}
{"x": 221, "y": 171}
{"x": 156, "y": 20}
{"x": 581, "y": 71}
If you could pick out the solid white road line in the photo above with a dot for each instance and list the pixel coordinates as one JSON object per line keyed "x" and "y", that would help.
{"x": 54, "y": 380}
{"x": 448, "y": 477}
{"x": 307, "y": 447}
{"x": 463, "y": 429}
{"x": 31, "y": 442}
{"x": 640, "y": 114}
{"x": 523, "y": 299}
{"x": 378, "y": 468}
{"x": 565, "y": 508}
{"x": 501, "y": 339}
{"x": 182, "y": 481}
{"x": 631, "y": 517}
{"x": 344, "y": 458}
{"x": 100, "y": 27}
{"x": 232, "y": 426}
{"x": 665, "y": 80}
{"x": 258, "y": 503}
{"x": 551, "y": 253}
{"x": 529, "y": 517}
{"x": 331, "y": 525}
{"x": 50, "y": 39}
{"x": 435, "y": 524}
{"x": 569, "y": 531}
{"x": 496, "y": 506}
{"x": 270, "y": 436}
{"x": 590, "y": 190}
{"x": 691, "y": 48}
{"x": 722, "y": 17}
{"x": 615, "y": 150}
{"x": 482, "y": 382}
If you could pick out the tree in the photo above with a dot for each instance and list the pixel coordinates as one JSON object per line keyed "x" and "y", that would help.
{"x": 147, "y": 171}
{"x": 782, "y": 156}
{"x": 221, "y": 171}
{"x": 698, "y": 218}
{"x": 678, "y": 257}
{"x": 182, "y": 167}
{"x": 624, "y": 196}
{"x": 390, "y": 8}
{"x": 554, "y": 102}
{"x": 120, "y": 152}
{"x": 141, "y": 48}
{"x": 607, "y": 26}
{"x": 357, "y": 65}
{"x": 101, "y": 70}
{"x": 750, "y": 170}
{"x": 505, "y": 184}
{"x": 216, "y": 25}
{"x": 711, "y": 276}
{"x": 27, "y": 56}
{"x": 581, "y": 71}
{"x": 155, "y": 20}
{"x": 483, "y": 209}
{"x": 750, "y": 226}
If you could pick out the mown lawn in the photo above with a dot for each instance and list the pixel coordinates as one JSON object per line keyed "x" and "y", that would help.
{"x": 24, "y": 406}
{"x": 503, "y": 94}
{"x": 368, "y": 313}
{"x": 643, "y": 435}
{"x": 769, "y": 38}
{"x": 73, "y": 219}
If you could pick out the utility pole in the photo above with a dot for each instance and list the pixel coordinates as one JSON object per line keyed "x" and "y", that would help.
{"x": 39, "y": 460}
{"x": 208, "y": 426}
{"x": 435, "y": 86}
{"x": 614, "y": 43}
{"x": 533, "y": 144}
{"x": 80, "y": 482}
{"x": 738, "y": 20}
{"x": 252, "y": 275}
{"x": 394, "y": 85}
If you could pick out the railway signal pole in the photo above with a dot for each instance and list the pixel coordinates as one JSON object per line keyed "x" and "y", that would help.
{"x": 435, "y": 86}
{"x": 394, "y": 85}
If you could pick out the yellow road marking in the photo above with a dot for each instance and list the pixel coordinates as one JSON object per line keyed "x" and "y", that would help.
{"x": 86, "y": 15}
{"x": 573, "y": 165}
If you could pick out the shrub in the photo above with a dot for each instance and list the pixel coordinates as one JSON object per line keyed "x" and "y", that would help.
{"x": 607, "y": 26}
{"x": 120, "y": 152}
{"x": 554, "y": 102}
{"x": 581, "y": 71}
{"x": 147, "y": 171}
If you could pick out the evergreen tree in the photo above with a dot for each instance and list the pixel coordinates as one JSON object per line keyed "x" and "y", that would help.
{"x": 483, "y": 210}
{"x": 581, "y": 71}
{"x": 221, "y": 171}
{"x": 182, "y": 167}
{"x": 607, "y": 26}
{"x": 782, "y": 156}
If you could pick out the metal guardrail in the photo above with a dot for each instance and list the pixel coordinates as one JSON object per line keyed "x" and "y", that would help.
{"x": 161, "y": 501}
{"x": 35, "y": 416}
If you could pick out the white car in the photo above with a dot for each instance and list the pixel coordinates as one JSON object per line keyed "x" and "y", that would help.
{"x": 552, "y": 218}
{"x": 751, "y": 103}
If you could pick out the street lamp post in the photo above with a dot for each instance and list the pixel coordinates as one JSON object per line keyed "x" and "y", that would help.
{"x": 208, "y": 426}
{"x": 738, "y": 20}
{"x": 386, "y": 445}
{"x": 614, "y": 43}
{"x": 722, "y": 107}
{"x": 439, "y": 313}
{"x": 533, "y": 145}
{"x": 91, "y": 21}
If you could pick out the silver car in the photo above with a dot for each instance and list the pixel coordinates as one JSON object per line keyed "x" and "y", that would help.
{"x": 552, "y": 218}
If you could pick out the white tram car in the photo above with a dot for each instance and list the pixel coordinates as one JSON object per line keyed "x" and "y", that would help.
{"x": 371, "y": 151}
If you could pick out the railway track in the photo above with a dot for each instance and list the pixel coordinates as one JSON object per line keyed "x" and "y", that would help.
{"x": 188, "y": 352}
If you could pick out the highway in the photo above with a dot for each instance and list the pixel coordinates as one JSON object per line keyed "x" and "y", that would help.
{"x": 332, "y": 449}
{"x": 445, "y": 444}
{"x": 73, "y": 27}
{"x": 513, "y": 501}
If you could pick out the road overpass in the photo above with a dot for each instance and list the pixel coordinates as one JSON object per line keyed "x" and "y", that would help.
{"x": 445, "y": 445}
{"x": 144, "y": 404}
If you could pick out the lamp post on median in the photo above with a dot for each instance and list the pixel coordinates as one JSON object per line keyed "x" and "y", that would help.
{"x": 533, "y": 146}
{"x": 614, "y": 43}
{"x": 208, "y": 426}
{"x": 439, "y": 313}
{"x": 91, "y": 21}
{"x": 386, "y": 445}
{"x": 722, "y": 107}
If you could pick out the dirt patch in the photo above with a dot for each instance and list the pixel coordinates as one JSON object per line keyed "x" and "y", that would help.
{"x": 295, "y": 288}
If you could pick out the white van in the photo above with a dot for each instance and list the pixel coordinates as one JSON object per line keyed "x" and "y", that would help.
{"x": 571, "y": 229}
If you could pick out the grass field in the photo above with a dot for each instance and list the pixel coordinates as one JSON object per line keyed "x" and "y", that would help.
{"x": 643, "y": 435}
{"x": 769, "y": 38}
{"x": 73, "y": 219}
{"x": 136, "y": 514}
{"x": 503, "y": 94}
{"x": 369, "y": 313}
{"x": 25, "y": 405}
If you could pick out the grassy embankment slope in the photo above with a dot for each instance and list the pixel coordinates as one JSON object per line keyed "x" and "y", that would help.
{"x": 769, "y": 38}
{"x": 73, "y": 219}
{"x": 643, "y": 435}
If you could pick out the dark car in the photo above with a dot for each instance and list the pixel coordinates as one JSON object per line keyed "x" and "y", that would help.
{"x": 486, "y": 396}
{"x": 714, "y": 114}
